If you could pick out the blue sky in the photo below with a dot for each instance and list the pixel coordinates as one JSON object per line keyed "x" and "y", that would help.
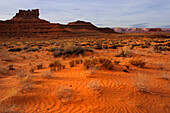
{"x": 110, "y": 13}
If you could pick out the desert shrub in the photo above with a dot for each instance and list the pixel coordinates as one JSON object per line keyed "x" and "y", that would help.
{"x": 5, "y": 105}
{"x": 95, "y": 86}
{"x": 72, "y": 63}
{"x": 32, "y": 67}
{"x": 131, "y": 46}
{"x": 57, "y": 53}
{"x": 26, "y": 47}
{"x": 32, "y": 49}
{"x": 107, "y": 63}
{"x": 88, "y": 49}
{"x": 56, "y": 64}
{"x": 105, "y": 47}
{"x": 155, "y": 49}
{"x": 15, "y": 50}
{"x": 46, "y": 74}
{"x": 145, "y": 46}
{"x": 164, "y": 75}
{"x": 124, "y": 52}
{"x": 116, "y": 62}
{"x": 11, "y": 67}
{"x": 167, "y": 44}
{"x": 78, "y": 61}
{"x": 141, "y": 82}
{"x": 52, "y": 49}
{"x": 98, "y": 46}
{"x": 22, "y": 73}
{"x": 113, "y": 46}
{"x": 137, "y": 62}
{"x": 160, "y": 48}
{"x": 40, "y": 66}
{"x": 64, "y": 94}
{"x": 91, "y": 70}
{"x": 163, "y": 48}
{"x": 69, "y": 50}
{"x": 6, "y": 57}
{"x": 25, "y": 80}
{"x": 90, "y": 63}
{"x": 39, "y": 47}
{"x": 63, "y": 66}
{"x": 3, "y": 70}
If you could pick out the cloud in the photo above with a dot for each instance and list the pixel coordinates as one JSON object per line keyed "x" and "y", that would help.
{"x": 141, "y": 25}
{"x": 77, "y": 9}
{"x": 109, "y": 13}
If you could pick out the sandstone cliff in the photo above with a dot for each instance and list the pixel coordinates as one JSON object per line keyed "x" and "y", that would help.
{"x": 27, "y": 23}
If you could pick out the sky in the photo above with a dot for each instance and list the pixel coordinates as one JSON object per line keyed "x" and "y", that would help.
{"x": 102, "y": 13}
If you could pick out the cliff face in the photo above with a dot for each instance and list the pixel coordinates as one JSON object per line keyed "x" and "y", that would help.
{"x": 155, "y": 30}
{"x": 27, "y": 23}
{"x": 29, "y": 14}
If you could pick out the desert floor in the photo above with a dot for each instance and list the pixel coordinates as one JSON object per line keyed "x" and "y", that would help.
{"x": 85, "y": 91}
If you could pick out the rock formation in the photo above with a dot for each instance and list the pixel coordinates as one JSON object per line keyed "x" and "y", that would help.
{"x": 29, "y": 14}
{"x": 27, "y": 23}
{"x": 155, "y": 30}
{"x": 139, "y": 30}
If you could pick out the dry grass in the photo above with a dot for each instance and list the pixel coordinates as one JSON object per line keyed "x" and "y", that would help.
{"x": 91, "y": 70}
{"x": 95, "y": 86}
{"x": 141, "y": 82}
{"x": 56, "y": 64}
{"x": 107, "y": 63}
{"x": 72, "y": 63}
{"x": 90, "y": 63}
{"x": 164, "y": 75}
{"x": 46, "y": 74}
{"x": 3, "y": 70}
{"x": 5, "y": 105}
{"x": 64, "y": 94}
{"x": 137, "y": 62}
{"x": 123, "y": 52}
{"x": 40, "y": 66}
{"x": 25, "y": 80}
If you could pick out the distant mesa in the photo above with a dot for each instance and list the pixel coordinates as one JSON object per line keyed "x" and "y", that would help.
{"x": 155, "y": 30}
{"x": 27, "y": 14}
{"x": 79, "y": 22}
{"x": 26, "y": 23}
{"x": 140, "y": 30}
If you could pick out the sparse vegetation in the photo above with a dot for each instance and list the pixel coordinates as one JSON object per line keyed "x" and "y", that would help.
{"x": 25, "y": 80}
{"x": 46, "y": 74}
{"x": 72, "y": 63}
{"x": 124, "y": 52}
{"x": 3, "y": 70}
{"x": 40, "y": 66}
{"x": 137, "y": 62}
{"x": 164, "y": 75}
{"x": 64, "y": 94}
{"x": 90, "y": 76}
{"x": 56, "y": 64}
{"x": 95, "y": 86}
{"x": 90, "y": 63}
{"x": 11, "y": 67}
{"x": 141, "y": 82}
{"x": 107, "y": 63}
{"x": 15, "y": 50}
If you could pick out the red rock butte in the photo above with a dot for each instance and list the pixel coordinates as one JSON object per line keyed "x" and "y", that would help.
{"x": 26, "y": 23}
{"x": 155, "y": 30}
